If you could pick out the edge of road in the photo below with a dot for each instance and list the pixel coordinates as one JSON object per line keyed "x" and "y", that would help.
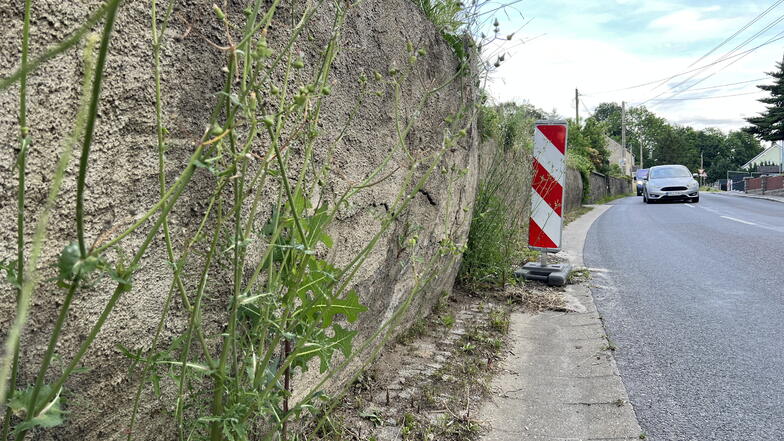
{"x": 752, "y": 196}
{"x": 560, "y": 380}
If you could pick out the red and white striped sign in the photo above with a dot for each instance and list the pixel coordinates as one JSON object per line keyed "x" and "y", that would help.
{"x": 547, "y": 192}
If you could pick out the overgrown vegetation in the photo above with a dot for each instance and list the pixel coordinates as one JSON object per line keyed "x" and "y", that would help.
{"x": 497, "y": 238}
{"x": 278, "y": 306}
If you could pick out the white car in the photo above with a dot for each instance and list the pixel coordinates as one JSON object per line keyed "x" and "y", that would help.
{"x": 670, "y": 182}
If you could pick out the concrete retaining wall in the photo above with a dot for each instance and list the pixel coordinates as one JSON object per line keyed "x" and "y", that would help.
{"x": 573, "y": 197}
{"x": 603, "y": 186}
{"x": 123, "y": 177}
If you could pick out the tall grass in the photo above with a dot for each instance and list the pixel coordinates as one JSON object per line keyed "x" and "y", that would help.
{"x": 497, "y": 237}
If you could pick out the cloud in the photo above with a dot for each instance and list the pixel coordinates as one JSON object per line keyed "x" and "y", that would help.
{"x": 637, "y": 41}
{"x": 546, "y": 72}
{"x": 693, "y": 25}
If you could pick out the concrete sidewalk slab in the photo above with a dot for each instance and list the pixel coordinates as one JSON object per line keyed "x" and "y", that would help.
{"x": 560, "y": 381}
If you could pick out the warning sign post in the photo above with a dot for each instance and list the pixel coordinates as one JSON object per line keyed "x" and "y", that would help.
{"x": 547, "y": 195}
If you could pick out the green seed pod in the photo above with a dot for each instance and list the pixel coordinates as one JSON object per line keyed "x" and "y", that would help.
{"x": 298, "y": 63}
{"x": 216, "y": 130}
{"x": 462, "y": 133}
{"x": 311, "y": 88}
{"x": 326, "y": 90}
{"x": 268, "y": 121}
{"x": 362, "y": 79}
{"x": 218, "y": 12}
{"x": 377, "y": 76}
{"x": 275, "y": 90}
{"x": 409, "y": 46}
{"x": 252, "y": 101}
{"x": 262, "y": 50}
{"x": 412, "y": 59}
{"x": 421, "y": 52}
{"x": 300, "y": 99}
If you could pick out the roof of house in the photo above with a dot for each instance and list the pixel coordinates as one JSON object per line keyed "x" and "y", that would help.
{"x": 763, "y": 153}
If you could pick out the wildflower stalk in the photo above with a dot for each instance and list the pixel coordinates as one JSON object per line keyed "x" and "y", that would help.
{"x": 21, "y": 163}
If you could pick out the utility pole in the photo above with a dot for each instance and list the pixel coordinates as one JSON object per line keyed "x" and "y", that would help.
{"x": 577, "y": 107}
{"x": 640, "y": 154}
{"x": 781, "y": 156}
{"x": 702, "y": 169}
{"x": 623, "y": 132}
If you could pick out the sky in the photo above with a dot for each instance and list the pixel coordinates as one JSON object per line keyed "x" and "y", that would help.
{"x": 600, "y": 47}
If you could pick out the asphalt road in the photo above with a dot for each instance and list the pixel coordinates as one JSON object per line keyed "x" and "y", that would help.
{"x": 692, "y": 296}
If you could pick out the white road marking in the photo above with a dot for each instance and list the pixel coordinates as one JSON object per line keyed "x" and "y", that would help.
{"x": 739, "y": 220}
{"x": 689, "y": 205}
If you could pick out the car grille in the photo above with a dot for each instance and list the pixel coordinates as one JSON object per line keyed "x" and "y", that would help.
{"x": 673, "y": 189}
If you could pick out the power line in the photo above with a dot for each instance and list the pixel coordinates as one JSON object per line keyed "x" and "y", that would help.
{"x": 636, "y": 86}
{"x": 746, "y": 26}
{"x": 730, "y": 84}
{"x": 739, "y": 56}
{"x": 726, "y": 55}
{"x": 703, "y": 97}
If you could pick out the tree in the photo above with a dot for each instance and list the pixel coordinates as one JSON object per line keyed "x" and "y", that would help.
{"x": 610, "y": 114}
{"x": 743, "y": 147}
{"x": 589, "y": 141}
{"x": 769, "y": 126}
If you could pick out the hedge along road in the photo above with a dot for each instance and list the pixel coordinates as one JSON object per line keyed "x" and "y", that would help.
{"x": 691, "y": 296}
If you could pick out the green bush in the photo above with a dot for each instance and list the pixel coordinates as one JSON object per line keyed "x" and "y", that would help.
{"x": 498, "y": 228}
{"x": 584, "y": 166}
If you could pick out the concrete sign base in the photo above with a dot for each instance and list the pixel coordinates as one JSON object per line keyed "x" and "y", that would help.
{"x": 553, "y": 275}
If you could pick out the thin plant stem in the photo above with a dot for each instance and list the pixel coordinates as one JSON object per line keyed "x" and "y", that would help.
{"x": 21, "y": 163}
{"x": 89, "y": 130}
{"x": 30, "y": 280}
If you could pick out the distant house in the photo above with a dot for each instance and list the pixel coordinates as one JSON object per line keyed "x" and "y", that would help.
{"x": 771, "y": 155}
{"x": 620, "y": 156}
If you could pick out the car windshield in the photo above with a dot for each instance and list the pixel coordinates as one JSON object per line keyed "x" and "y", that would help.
{"x": 642, "y": 174}
{"x": 670, "y": 172}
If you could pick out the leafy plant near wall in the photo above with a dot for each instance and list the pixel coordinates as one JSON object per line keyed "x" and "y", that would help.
{"x": 287, "y": 307}
{"x": 462, "y": 25}
{"x": 496, "y": 240}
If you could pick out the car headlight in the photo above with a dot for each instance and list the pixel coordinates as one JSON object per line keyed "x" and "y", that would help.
{"x": 694, "y": 184}
{"x": 639, "y": 182}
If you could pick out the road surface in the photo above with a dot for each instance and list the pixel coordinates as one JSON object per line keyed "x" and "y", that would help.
{"x": 692, "y": 295}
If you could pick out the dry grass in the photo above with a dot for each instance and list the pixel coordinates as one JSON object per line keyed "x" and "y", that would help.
{"x": 536, "y": 298}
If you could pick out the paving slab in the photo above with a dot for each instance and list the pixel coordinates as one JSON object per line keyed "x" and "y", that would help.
{"x": 560, "y": 381}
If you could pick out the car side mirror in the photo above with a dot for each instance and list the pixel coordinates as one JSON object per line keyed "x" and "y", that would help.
{"x": 694, "y": 175}
{"x": 645, "y": 178}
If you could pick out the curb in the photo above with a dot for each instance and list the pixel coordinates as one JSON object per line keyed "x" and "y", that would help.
{"x": 753, "y": 196}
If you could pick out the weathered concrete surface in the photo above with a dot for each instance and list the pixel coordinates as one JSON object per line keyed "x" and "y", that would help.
{"x": 573, "y": 191}
{"x": 602, "y": 186}
{"x": 560, "y": 381}
{"x": 123, "y": 177}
